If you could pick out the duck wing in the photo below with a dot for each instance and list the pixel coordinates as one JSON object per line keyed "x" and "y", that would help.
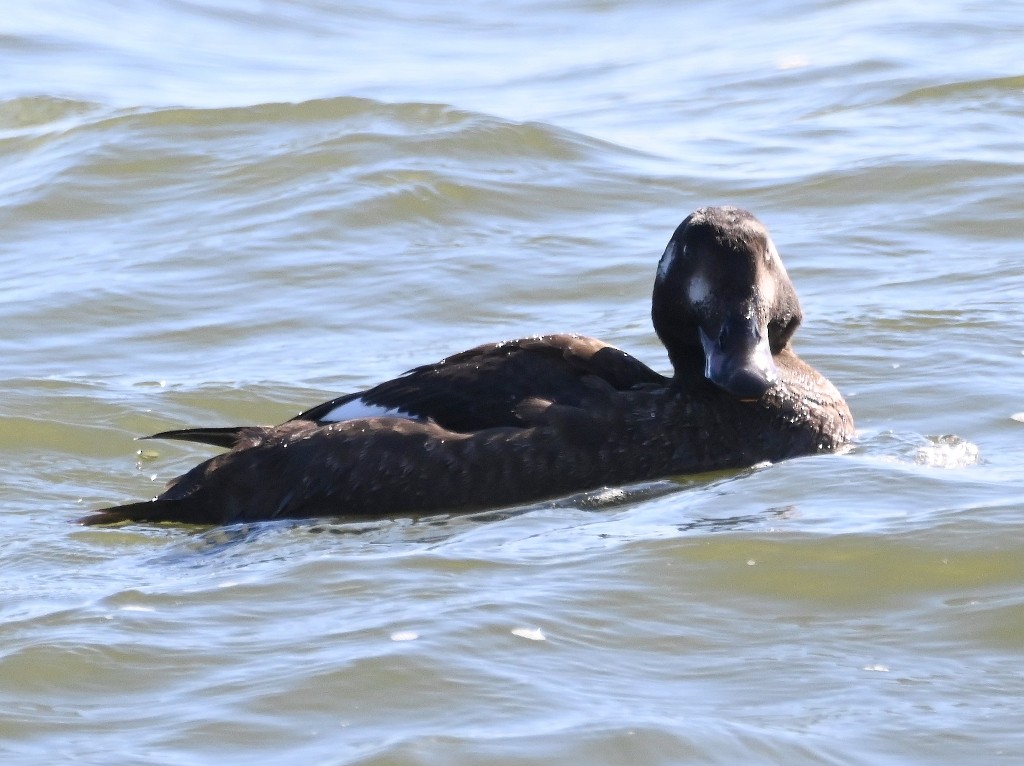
{"x": 476, "y": 389}
{"x": 481, "y": 388}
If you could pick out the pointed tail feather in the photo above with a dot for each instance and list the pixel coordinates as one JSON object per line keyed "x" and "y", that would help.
{"x": 219, "y": 437}
{"x": 159, "y": 509}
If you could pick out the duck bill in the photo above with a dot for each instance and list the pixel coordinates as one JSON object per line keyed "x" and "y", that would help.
{"x": 739, "y": 360}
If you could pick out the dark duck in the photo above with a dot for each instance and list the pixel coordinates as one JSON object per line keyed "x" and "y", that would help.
{"x": 529, "y": 419}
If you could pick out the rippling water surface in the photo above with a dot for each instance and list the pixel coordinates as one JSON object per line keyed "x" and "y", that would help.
{"x": 224, "y": 212}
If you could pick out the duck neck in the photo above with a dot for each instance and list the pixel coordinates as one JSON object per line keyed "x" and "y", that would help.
{"x": 688, "y": 367}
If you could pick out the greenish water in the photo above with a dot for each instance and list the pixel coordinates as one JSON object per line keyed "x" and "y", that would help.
{"x": 225, "y": 213}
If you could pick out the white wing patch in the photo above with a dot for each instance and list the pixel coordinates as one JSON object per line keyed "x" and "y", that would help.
{"x": 357, "y": 409}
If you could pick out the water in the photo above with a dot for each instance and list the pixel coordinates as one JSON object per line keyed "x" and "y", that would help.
{"x": 220, "y": 213}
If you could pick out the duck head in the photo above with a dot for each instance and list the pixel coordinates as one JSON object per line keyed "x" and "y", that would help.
{"x": 723, "y": 303}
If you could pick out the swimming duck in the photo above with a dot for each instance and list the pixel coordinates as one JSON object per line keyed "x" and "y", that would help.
{"x": 540, "y": 417}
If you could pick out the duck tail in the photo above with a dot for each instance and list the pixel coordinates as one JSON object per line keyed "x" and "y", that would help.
{"x": 219, "y": 437}
{"x": 158, "y": 509}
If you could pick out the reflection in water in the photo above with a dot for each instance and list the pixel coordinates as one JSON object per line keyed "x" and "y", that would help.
{"x": 407, "y": 533}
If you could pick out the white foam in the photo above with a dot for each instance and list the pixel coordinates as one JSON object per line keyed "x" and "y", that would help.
{"x": 948, "y": 451}
{"x": 533, "y": 634}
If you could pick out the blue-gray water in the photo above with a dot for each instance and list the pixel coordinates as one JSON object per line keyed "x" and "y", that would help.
{"x": 224, "y": 212}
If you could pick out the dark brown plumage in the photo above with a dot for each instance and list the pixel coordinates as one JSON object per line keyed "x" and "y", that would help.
{"x": 540, "y": 417}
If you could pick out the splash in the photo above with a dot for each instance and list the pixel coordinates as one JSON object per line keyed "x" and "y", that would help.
{"x": 948, "y": 451}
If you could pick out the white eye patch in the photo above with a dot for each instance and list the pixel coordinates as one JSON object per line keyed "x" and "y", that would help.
{"x": 665, "y": 264}
{"x": 767, "y": 286}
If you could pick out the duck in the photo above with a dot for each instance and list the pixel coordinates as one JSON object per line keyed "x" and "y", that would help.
{"x": 541, "y": 417}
